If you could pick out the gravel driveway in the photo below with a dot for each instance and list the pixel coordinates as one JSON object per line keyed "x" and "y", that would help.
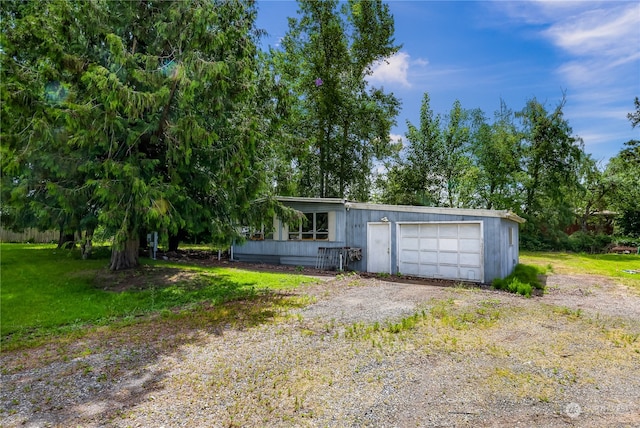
{"x": 364, "y": 353}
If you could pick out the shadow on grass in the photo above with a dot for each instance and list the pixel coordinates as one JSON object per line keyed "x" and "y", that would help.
{"x": 111, "y": 369}
{"x": 108, "y": 334}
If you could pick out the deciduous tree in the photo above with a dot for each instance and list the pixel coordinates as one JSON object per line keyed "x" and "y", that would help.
{"x": 551, "y": 155}
{"x": 339, "y": 125}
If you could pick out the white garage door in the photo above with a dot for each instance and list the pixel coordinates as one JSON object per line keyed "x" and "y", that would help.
{"x": 441, "y": 250}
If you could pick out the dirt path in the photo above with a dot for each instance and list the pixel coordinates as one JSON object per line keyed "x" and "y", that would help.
{"x": 466, "y": 357}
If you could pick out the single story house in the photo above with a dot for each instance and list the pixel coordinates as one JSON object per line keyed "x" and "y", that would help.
{"x": 446, "y": 243}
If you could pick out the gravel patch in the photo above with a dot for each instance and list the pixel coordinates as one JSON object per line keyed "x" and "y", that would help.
{"x": 471, "y": 357}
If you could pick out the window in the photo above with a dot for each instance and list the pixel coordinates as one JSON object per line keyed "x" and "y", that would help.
{"x": 511, "y": 236}
{"x": 315, "y": 228}
{"x": 254, "y": 234}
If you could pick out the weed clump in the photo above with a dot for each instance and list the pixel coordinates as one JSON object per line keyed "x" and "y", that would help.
{"x": 523, "y": 280}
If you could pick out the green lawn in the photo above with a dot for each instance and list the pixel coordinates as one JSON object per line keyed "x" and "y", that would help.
{"x": 611, "y": 265}
{"x": 44, "y": 290}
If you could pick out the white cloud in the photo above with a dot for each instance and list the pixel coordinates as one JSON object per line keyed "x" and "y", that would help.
{"x": 609, "y": 32}
{"x": 597, "y": 43}
{"x": 602, "y": 45}
{"x": 600, "y": 39}
{"x": 392, "y": 70}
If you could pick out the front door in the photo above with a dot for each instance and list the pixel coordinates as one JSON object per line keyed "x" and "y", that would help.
{"x": 379, "y": 247}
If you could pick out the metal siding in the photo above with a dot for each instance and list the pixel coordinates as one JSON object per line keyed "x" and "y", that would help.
{"x": 494, "y": 228}
{"x": 498, "y": 261}
{"x": 492, "y": 249}
{"x": 516, "y": 246}
{"x": 351, "y": 231}
{"x": 356, "y": 218}
{"x": 510, "y": 254}
{"x": 302, "y": 253}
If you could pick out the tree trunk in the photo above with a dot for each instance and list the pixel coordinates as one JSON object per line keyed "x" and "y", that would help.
{"x": 66, "y": 240}
{"x": 86, "y": 247}
{"x": 125, "y": 257}
{"x": 584, "y": 219}
{"x": 174, "y": 241}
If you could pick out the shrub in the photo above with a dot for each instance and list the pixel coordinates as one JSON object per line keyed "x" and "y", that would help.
{"x": 626, "y": 241}
{"x": 581, "y": 242}
{"x": 528, "y": 275}
{"x": 515, "y": 286}
{"x": 522, "y": 281}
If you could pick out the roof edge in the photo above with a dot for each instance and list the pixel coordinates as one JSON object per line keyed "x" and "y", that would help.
{"x": 438, "y": 210}
{"x": 506, "y": 214}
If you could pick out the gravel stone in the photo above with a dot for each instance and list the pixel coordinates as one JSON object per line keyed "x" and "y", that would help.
{"x": 477, "y": 357}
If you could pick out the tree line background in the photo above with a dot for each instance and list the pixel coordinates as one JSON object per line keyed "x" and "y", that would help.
{"x": 128, "y": 117}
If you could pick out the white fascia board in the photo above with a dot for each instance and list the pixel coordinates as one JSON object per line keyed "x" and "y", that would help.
{"x": 436, "y": 210}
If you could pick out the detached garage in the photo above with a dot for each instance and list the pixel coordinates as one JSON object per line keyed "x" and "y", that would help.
{"x": 445, "y": 243}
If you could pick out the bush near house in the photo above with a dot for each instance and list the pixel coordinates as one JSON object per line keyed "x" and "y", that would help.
{"x": 585, "y": 242}
{"x": 523, "y": 280}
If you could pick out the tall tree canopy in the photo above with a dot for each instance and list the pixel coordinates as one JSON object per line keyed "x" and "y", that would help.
{"x": 457, "y": 160}
{"x": 140, "y": 113}
{"x": 528, "y": 162}
{"x": 496, "y": 152}
{"x": 338, "y": 125}
{"x": 623, "y": 171}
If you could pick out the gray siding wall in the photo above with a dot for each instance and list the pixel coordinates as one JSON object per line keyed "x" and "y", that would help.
{"x": 497, "y": 262}
{"x": 509, "y": 246}
{"x": 351, "y": 231}
{"x": 299, "y": 253}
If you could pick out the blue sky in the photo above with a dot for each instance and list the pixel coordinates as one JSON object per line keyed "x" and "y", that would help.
{"x": 481, "y": 52}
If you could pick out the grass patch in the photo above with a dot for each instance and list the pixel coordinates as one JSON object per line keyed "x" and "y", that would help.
{"x": 609, "y": 265}
{"x": 523, "y": 280}
{"x": 46, "y": 291}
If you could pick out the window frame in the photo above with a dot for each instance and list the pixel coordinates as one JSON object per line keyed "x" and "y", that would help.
{"x": 308, "y": 231}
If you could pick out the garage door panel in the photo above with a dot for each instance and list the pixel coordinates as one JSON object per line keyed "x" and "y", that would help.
{"x": 412, "y": 244}
{"x": 409, "y": 230}
{"x": 448, "y": 258}
{"x": 410, "y": 256}
{"x": 429, "y": 244}
{"x": 470, "y": 274}
{"x": 470, "y": 259}
{"x": 410, "y": 268}
{"x": 449, "y": 271}
{"x": 446, "y": 244}
{"x": 441, "y": 250}
{"x": 429, "y": 270}
{"x": 430, "y": 257}
{"x": 428, "y": 231}
{"x": 448, "y": 231}
{"x": 468, "y": 245}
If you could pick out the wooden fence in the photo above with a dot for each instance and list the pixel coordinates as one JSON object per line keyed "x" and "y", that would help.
{"x": 29, "y": 235}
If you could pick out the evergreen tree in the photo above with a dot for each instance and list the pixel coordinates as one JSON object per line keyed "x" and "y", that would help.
{"x": 145, "y": 107}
